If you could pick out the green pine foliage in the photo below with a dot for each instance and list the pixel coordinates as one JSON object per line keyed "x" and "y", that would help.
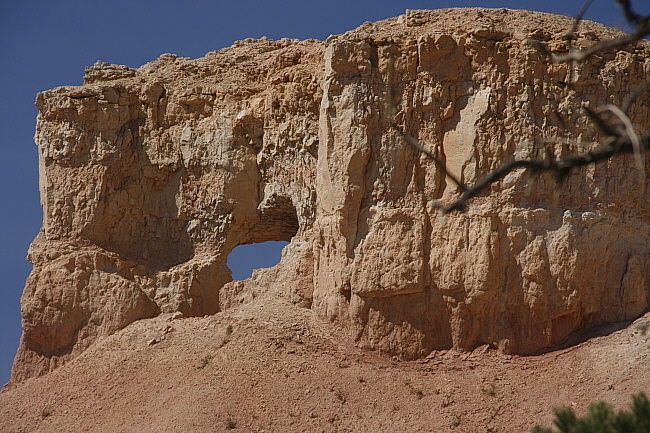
{"x": 601, "y": 418}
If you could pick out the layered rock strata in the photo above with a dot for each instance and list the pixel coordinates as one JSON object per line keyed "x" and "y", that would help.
{"x": 151, "y": 176}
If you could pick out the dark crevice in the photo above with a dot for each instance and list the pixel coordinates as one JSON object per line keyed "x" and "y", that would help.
{"x": 278, "y": 221}
{"x": 82, "y": 97}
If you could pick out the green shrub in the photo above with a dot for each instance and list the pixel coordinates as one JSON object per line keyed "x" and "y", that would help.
{"x": 601, "y": 418}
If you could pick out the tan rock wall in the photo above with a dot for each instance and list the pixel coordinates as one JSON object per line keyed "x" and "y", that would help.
{"x": 151, "y": 176}
{"x": 523, "y": 268}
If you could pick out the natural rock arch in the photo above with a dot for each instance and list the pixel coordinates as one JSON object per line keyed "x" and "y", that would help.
{"x": 298, "y": 143}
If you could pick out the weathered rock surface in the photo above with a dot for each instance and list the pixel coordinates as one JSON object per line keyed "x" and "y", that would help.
{"x": 151, "y": 176}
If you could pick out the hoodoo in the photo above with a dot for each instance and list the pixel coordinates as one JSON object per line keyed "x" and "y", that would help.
{"x": 150, "y": 177}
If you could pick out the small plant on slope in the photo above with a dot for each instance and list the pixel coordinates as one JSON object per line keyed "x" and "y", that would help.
{"x": 601, "y": 418}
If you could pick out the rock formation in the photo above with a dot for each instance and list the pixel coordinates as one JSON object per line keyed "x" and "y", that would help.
{"x": 151, "y": 176}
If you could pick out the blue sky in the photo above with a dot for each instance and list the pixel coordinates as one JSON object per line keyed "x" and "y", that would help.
{"x": 44, "y": 44}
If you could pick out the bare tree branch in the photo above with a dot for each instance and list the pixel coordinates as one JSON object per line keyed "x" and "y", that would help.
{"x": 560, "y": 167}
{"x": 576, "y": 23}
{"x": 641, "y": 29}
{"x": 599, "y": 122}
{"x": 621, "y": 136}
{"x": 630, "y": 15}
{"x": 580, "y": 55}
{"x": 637, "y": 148}
{"x": 625, "y": 141}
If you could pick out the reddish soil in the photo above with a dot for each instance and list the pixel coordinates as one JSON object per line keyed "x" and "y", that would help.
{"x": 280, "y": 368}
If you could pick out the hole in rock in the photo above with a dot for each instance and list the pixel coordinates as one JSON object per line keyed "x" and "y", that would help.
{"x": 244, "y": 258}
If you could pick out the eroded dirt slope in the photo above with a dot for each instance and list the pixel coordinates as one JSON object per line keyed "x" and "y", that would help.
{"x": 280, "y": 368}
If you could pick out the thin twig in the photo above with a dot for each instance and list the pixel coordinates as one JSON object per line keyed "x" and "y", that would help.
{"x": 441, "y": 166}
{"x": 576, "y": 23}
{"x": 580, "y": 55}
{"x": 600, "y": 123}
{"x": 570, "y": 37}
{"x": 641, "y": 30}
{"x": 638, "y": 149}
{"x": 630, "y": 15}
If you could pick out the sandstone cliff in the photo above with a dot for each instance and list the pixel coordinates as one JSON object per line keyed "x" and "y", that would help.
{"x": 151, "y": 176}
